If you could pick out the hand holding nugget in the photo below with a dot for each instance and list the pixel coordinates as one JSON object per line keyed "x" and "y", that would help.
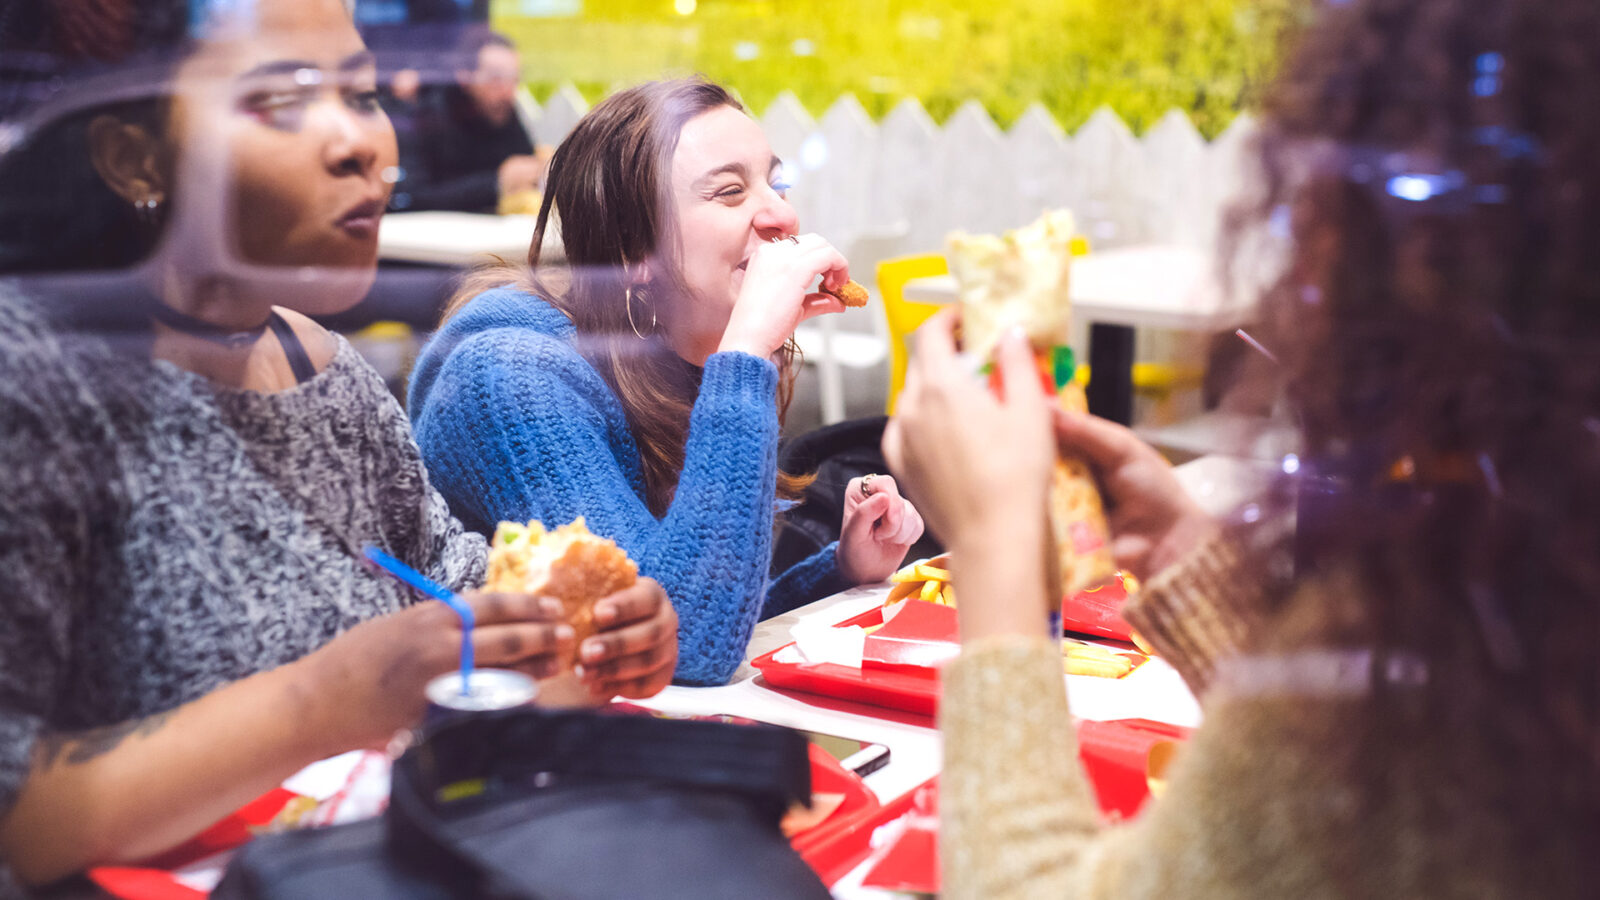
{"x": 775, "y": 294}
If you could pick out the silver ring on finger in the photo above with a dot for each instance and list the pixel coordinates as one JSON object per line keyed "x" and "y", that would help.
{"x": 866, "y": 485}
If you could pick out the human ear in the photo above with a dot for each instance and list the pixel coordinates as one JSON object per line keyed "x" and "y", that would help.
{"x": 129, "y": 159}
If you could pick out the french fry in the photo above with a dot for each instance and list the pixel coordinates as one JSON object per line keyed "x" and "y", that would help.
{"x": 1086, "y": 651}
{"x": 1139, "y": 642}
{"x": 1091, "y": 659}
{"x": 903, "y": 590}
{"x": 928, "y": 581}
{"x": 1100, "y": 668}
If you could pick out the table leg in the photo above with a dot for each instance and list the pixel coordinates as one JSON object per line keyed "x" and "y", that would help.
{"x": 1110, "y": 388}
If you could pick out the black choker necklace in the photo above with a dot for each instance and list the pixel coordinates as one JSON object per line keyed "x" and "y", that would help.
{"x": 234, "y": 340}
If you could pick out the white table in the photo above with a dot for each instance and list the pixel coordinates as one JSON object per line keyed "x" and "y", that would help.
{"x": 1118, "y": 290}
{"x": 1153, "y": 691}
{"x": 1147, "y": 287}
{"x": 459, "y": 239}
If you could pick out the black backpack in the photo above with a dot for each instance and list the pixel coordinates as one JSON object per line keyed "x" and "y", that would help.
{"x": 527, "y": 804}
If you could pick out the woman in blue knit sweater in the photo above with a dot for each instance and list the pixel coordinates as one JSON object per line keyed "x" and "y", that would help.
{"x": 643, "y": 389}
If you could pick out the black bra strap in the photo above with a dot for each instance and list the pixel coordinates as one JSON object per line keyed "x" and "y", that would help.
{"x": 299, "y": 360}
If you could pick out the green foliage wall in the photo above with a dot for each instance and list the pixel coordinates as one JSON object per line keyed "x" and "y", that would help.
{"x": 1139, "y": 57}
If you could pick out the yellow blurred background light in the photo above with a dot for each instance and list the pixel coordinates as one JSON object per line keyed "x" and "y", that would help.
{"x": 1141, "y": 58}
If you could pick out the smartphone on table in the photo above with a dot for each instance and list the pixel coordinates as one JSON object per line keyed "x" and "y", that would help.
{"x": 861, "y": 757}
{"x": 857, "y": 756}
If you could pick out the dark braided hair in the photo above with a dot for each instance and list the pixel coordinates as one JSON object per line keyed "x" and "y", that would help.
{"x": 56, "y": 213}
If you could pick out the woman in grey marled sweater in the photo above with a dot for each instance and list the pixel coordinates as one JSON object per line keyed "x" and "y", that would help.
{"x": 182, "y": 507}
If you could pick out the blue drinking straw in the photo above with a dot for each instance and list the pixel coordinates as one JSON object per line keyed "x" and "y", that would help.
{"x": 437, "y": 591}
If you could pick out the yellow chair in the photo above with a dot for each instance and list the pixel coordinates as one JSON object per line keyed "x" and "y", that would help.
{"x": 904, "y": 316}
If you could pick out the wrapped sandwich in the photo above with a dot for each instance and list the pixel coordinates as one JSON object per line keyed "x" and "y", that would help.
{"x": 569, "y": 564}
{"x": 1020, "y": 279}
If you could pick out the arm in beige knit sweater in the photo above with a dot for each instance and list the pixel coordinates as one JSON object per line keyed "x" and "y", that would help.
{"x": 1019, "y": 817}
{"x": 1255, "y": 804}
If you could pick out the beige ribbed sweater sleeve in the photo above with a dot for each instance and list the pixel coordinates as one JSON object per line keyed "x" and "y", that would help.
{"x": 1014, "y": 806}
{"x": 1249, "y": 810}
{"x": 1199, "y": 610}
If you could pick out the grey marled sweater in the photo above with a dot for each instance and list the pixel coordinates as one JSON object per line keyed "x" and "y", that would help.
{"x": 161, "y": 536}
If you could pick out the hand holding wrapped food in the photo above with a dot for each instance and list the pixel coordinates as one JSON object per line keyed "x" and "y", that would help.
{"x": 1020, "y": 280}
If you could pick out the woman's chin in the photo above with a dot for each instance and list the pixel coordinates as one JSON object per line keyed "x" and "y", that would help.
{"x": 329, "y": 290}
{"x": 315, "y": 290}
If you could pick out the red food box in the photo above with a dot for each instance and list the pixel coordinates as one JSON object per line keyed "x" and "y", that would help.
{"x": 1098, "y": 611}
{"x": 921, "y": 637}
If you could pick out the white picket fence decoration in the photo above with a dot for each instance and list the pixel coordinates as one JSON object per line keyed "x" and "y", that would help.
{"x": 903, "y": 183}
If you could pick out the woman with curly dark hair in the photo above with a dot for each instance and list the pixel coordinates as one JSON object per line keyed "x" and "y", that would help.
{"x": 1404, "y": 702}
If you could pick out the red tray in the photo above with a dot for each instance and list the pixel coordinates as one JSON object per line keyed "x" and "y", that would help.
{"x": 898, "y": 689}
{"x": 830, "y": 846}
{"x": 910, "y": 689}
{"x": 835, "y": 860}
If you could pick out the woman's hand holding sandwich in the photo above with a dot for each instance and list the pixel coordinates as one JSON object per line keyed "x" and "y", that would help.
{"x": 980, "y": 469}
{"x": 1153, "y": 519}
{"x": 368, "y": 683}
{"x": 635, "y": 648}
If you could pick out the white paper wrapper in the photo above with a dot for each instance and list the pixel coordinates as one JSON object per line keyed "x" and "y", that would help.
{"x": 827, "y": 644}
{"x": 1017, "y": 279}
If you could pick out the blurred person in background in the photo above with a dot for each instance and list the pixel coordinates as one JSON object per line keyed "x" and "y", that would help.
{"x": 189, "y": 466}
{"x": 643, "y": 387}
{"x": 469, "y": 150}
{"x": 1411, "y": 707}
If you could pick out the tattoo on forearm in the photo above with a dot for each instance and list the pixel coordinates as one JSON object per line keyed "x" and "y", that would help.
{"x": 81, "y": 746}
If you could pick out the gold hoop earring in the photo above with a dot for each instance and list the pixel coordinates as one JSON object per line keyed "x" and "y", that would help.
{"x": 628, "y": 294}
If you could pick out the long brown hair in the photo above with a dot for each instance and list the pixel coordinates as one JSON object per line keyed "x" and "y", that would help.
{"x": 608, "y": 188}
{"x": 1433, "y": 163}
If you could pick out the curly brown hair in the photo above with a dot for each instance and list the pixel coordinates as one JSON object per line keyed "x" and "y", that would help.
{"x": 1435, "y": 167}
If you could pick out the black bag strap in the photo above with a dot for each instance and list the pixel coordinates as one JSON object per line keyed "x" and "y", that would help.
{"x": 515, "y": 751}
{"x": 418, "y": 834}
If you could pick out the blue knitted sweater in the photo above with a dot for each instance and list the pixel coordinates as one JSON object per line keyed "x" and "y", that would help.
{"x": 514, "y": 425}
